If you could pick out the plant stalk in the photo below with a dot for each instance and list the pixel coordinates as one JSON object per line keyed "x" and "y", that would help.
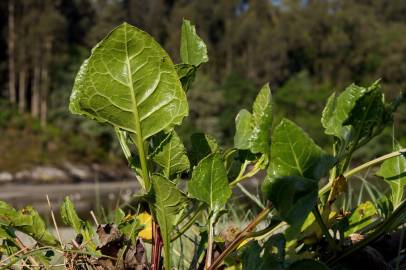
{"x": 239, "y": 238}
{"x": 209, "y": 255}
{"x": 325, "y": 230}
{"x": 364, "y": 166}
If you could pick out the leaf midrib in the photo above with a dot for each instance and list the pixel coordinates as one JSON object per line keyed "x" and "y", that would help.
{"x": 140, "y": 142}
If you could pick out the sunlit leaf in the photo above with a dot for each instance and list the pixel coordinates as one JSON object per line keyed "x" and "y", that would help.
{"x": 70, "y": 217}
{"x": 253, "y": 130}
{"x": 209, "y": 182}
{"x": 394, "y": 172}
{"x": 130, "y": 82}
{"x": 193, "y": 51}
{"x": 37, "y": 230}
{"x": 362, "y": 216}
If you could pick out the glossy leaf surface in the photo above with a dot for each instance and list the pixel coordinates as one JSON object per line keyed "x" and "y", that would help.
{"x": 130, "y": 82}
{"x": 193, "y": 51}
{"x": 253, "y": 130}
{"x": 209, "y": 182}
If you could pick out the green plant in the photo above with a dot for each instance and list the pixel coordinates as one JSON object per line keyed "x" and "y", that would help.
{"x": 131, "y": 83}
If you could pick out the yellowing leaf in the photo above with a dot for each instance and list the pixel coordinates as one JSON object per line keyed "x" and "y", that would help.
{"x": 145, "y": 219}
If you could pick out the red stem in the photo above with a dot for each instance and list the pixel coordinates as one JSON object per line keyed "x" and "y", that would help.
{"x": 156, "y": 246}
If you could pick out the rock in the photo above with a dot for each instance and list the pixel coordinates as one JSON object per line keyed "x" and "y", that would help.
{"x": 5, "y": 177}
{"x": 78, "y": 173}
{"x": 23, "y": 176}
{"x": 42, "y": 174}
{"x": 49, "y": 174}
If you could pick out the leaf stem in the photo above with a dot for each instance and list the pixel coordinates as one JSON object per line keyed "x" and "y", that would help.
{"x": 209, "y": 255}
{"x": 241, "y": 176}
{"x": 364, "y": 166}
{"x": 324, "y": 229}
{"x": 239, "y": 238}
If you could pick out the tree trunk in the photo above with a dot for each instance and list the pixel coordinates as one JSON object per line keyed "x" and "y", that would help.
{"x": 45, "y": 82}
{"x": 11, "y": 53}
{"x": 36, "y": 80}
{"x": 22, "y": 76}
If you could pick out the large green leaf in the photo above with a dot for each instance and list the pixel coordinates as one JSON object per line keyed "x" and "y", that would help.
{"x": 297, "y": 164}
{"x": 193, "y": 51}
{"x": 130, "y": 82}
{"x": 167, "y": 203}
{"x": 170, "y": 154}
{"x": 294, "y": 153}
{"x": 209, "y": 182}
{"x": 253, "y": 130}
{"x": 394, "y": 172}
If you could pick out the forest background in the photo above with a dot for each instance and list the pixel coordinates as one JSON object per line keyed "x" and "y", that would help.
{"x": 306, "y": 49}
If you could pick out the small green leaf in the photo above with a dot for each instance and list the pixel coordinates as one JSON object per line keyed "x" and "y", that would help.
{"x": 27, "y": 221}
{"x": 356, "y": 115}
{"x": 8, "y": 214}
{"x": 37, "y": 229}
{"x": 243, "y": 130}
{"x": 202, "y": 146}
{"x": 193, "y": 51}
{"x": 307, "y": 264}
{"x": 253, "y": 130}
{"x": 170, "y": 154}
{"x": 338, "y": 109}
{"x": 71, "y": 218}
{"x": 209, "y": 182}
{"x": 167, "y": 204}
{"x": 69, "y": 215}
{"x": 394, "y": 172}
{"x": 118, "y": 216}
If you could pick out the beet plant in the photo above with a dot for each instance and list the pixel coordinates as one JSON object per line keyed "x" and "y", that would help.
{"x": 130, "y": 83}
